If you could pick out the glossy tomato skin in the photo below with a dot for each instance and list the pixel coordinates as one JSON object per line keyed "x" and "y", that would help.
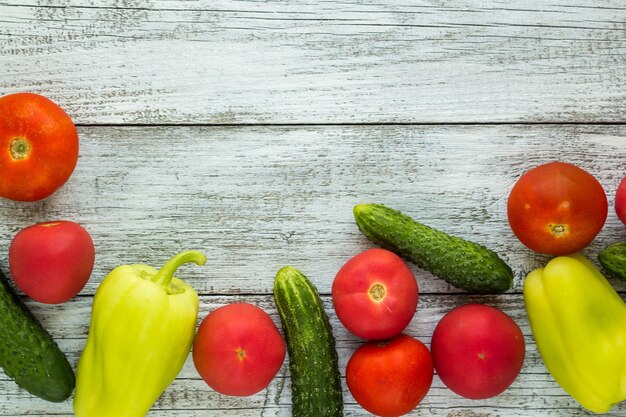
{"x": 557, "y": 208}
{"x": 52, "y": 261}
{"x": 238, "y": 349}
{"x": 39, "y": 145}
{"x": 390, "y": 378}
{"x": 620, "y": 201}
{"x": 375, "y": 294}
{"x": 478, "y": 351}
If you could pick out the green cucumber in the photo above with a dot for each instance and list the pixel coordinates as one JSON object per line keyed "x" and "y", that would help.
{"x": 613, "y": 259}
{"x": 461, "y": 263}
{"x": 315, "y": 379}
{"x": 28, "y": 354}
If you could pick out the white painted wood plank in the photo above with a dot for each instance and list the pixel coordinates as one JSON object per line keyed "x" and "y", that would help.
{"x": 534, "y": 393}
{"x": 257, "y": 198}
{"x": 349, "y": 61}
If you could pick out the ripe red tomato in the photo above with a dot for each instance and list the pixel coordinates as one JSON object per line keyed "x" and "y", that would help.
{"x": 557, "y": 208}
{"x": 390, "y": 378}
{"x": 40, "y": 147}
{"x": 478, "y": 350}
{"x": 375, "y": 294}
{"x": 51, "y": 262}
{"x": 238, "y": 349}
{"x": 620, "y": 201}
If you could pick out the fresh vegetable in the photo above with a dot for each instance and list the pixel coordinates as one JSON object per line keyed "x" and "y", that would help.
{"x": 51, "y": 262}
{"x": 375, "y": 294}
{"x": 557, "y": 208}
{"x": 28, "y": 353}
{"x": 238, "y": 350}
{"x": 620, "y": 201}
{"x": 579, "y": 323}
{"x": 390, "y": 378}
{"x": 464, "y": 264}
{"x": 315, "y": 379}
{"x": 39, "y": 147}
{"x": 478, "y": 350}
{"x": 613, "y": 259}
{"x": 143, "y": 322}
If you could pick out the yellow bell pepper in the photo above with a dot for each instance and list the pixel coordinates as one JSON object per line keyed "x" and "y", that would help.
{"x": 579, "y": 324}
{"x": 143, "y": 322}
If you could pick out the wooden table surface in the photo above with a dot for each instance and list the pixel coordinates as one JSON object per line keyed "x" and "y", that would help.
{"x": 249, "y": 130}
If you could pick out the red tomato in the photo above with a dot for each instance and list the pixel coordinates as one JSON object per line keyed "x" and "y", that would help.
{"x": 51, "y": 262}
{"x": 478, "y": 351}
{"x": 390, "y": 378}
{"x": 620, "y": 201}
{"x": 375, "y": 294}
{"x": 40, "y": 145}
{"x": 557, "y": 208}
{"x": 238, "y": 349}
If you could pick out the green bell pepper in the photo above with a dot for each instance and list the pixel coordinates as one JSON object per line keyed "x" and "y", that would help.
{"x": 579, "y": 324}
{"x": 143, "y": 322}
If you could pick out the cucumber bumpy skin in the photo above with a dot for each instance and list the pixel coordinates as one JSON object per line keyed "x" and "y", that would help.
{"x": 28, "y": 354}
{"x": 461, "y": 263}
{"x": 313, "y": 363}
{"x": 613, "y": 259}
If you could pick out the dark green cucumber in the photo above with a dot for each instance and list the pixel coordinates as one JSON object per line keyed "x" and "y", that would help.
{"x": 463, "y": 264}
{"x": 315, "y": 379}
{"x": 613, "y": 259}
{"x": 28, "y": 354}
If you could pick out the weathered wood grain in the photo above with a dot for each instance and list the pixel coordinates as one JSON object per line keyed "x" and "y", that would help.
{"x": 249, "y": 129}
{"x": 534, "y": 393}
{"x": 234, "y": 62}
{"x": 257, "y": 198}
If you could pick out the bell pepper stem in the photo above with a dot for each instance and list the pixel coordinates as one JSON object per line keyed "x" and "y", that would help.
{"x": 166, "y": 273}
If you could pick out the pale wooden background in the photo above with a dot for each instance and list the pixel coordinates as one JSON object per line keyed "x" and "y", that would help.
{"x": 249, "y": 130}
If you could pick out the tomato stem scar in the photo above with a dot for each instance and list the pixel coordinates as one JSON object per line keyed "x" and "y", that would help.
{"x": 559, "y": 230}
{"x": 377, "y": 292}
{"x": 19, "y": 148}
{"x": 241, "y": 354}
